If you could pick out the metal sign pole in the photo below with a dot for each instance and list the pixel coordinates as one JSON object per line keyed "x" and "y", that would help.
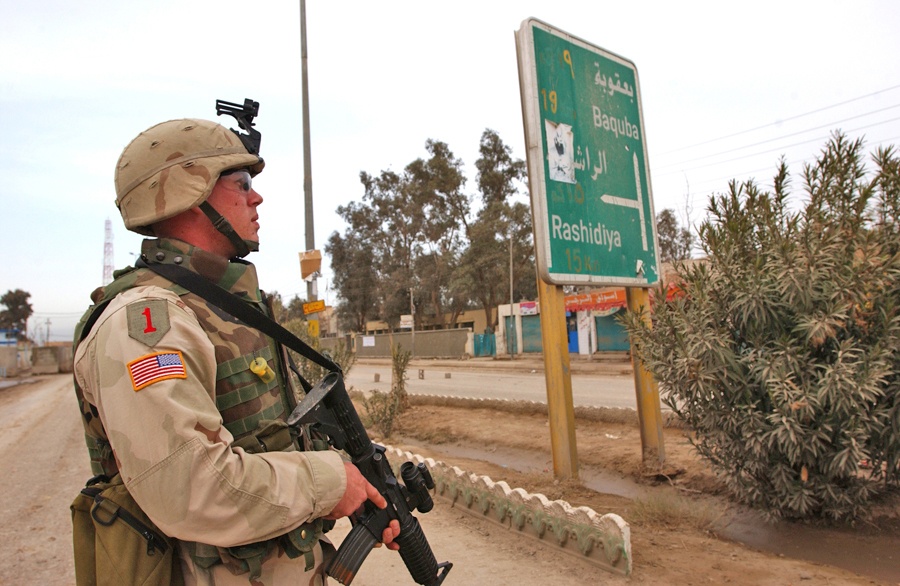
{"x": 653, "y": 452}
{"x": 560, "y": 406}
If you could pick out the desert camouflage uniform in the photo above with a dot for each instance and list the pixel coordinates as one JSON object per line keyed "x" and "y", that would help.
{"x": 172, "y": 439}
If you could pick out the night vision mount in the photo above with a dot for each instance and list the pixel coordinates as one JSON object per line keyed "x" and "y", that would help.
{"x": 244, "y": 115}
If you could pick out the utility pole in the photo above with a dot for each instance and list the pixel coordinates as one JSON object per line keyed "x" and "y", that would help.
{"x": 510, "y": 272}
{"x": 510, "y": 318}
{"x": 108, "y": 259}
{"x": 47, "y": 339}
{"x": 311, "y": 290}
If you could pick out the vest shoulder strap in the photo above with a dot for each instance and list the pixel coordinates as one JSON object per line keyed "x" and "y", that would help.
{"x": 229, "y": 302}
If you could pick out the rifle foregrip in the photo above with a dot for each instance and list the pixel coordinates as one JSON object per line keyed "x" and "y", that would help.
{"x": 417, "y": 554}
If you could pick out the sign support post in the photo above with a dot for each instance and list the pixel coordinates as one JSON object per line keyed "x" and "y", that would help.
{"x": 653, "y": 452}
{"x": 557, "y": 373}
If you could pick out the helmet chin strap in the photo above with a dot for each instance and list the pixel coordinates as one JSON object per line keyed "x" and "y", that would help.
{"x": 241, "y": 246}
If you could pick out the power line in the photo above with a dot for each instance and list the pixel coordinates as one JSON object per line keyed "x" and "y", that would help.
{"x": 799, "y": 132}
{"x": 771, "y": 168}
{"x": 695, "y": 193}
{"x": 697, "y": 190}
{"x": 760, "y": 153}
{"x": 777, "y": 122}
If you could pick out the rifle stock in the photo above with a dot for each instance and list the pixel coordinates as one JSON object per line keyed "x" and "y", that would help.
{"x": 328, "y": 408}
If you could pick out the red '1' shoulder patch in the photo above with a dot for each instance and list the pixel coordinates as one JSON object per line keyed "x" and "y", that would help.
{"x": 148, "y": 320}
{"x": 156, "y": 367}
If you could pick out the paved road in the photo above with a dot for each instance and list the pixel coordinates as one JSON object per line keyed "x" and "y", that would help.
{"x": 609, "y": 389}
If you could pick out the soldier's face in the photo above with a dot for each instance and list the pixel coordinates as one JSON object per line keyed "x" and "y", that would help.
{"x": 234, "y": 197}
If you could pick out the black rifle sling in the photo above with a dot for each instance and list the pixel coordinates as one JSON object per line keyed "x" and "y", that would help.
{"x": 92, "y": 319}
{"x": 236, "y": 307}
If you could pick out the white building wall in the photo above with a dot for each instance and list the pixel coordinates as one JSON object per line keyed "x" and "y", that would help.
{"x": 587, "y": 332}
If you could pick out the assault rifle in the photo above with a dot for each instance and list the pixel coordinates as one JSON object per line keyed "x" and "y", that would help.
{"x": 327, "y": 408}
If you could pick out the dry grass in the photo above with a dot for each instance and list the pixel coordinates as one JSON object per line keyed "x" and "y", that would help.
{"x": 673, "y": 510}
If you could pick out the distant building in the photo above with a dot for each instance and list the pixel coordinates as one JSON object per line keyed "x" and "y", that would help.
{"x": 591, "y": 324}
{"x": 9, "y": 336}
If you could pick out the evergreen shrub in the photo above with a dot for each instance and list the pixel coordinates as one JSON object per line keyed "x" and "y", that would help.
{"x": 781, "y": 350}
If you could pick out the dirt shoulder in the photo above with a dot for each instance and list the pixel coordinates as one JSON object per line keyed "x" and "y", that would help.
{"x": 680, "y": 525}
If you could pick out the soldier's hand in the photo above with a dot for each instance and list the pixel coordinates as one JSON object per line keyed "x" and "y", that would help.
{"x": 358, "y": 491}
{"x": 390, "y": 533}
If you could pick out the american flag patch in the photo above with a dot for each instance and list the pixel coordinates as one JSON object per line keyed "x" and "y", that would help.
{"x": 156, "y": 367}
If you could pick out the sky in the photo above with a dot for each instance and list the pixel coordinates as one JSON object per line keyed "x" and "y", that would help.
{"x": 726, "y": 89}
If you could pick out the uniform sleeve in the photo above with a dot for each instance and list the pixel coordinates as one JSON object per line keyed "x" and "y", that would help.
{"x": 172, "y": 450}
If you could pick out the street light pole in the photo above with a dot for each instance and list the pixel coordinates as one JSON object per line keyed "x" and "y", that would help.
{"x": 311, "y": 292}
{"x": 412, "y": 311}
{"x": 510, "y": 272}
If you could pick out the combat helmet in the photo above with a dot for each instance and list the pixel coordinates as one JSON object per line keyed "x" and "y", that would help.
{"x": 173, "y": 166}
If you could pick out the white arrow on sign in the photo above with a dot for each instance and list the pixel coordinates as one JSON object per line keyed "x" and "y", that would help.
{"x": 637, "y": 204}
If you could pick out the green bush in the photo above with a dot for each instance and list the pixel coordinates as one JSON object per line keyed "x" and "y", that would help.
{"x": 382, "y": 409}
{"x": 783, "y": 353}
{"x": 400, "y": 360}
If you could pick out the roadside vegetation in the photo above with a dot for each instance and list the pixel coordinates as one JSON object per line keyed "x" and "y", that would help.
{"x": 418, "y": 243}
{"x": 782, "y": 352}
{"x": 383, "y": 409}
{"x": 16, "y": 311}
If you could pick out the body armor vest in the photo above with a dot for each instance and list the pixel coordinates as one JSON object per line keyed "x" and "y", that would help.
{"x": 246, "y": 400}
{"x": 254, "y": 402}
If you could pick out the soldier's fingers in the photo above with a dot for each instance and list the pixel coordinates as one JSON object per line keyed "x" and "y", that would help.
{"x": 390, "y": 533}
{"x": 373, "y": 495}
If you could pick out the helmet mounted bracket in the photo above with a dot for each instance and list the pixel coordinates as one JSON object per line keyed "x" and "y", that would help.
{"x": 244, "y": 114}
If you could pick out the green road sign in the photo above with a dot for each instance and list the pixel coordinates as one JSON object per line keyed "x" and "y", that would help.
{"x": 587, "y": 161}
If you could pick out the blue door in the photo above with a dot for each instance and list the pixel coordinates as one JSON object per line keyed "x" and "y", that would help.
{"x": 611, "y": 335}
{"x": 572, "y": 328}
{"x": 531, "y": 334}
{"x": 485, "y": 345}
{"x": 511, "y": 341}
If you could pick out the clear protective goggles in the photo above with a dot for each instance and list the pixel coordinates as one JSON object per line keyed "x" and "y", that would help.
{"x": 237, "y": 179}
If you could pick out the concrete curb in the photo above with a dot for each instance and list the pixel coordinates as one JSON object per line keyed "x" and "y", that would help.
{"x": 607, "y": 365}
{"x": 603, "y": 540}
{"x": 9, "y": 383}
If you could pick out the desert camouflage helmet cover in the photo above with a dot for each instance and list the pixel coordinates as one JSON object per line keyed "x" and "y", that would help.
{"x": 172, "y": 167}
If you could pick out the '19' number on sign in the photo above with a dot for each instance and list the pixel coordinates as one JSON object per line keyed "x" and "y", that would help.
{"x": 553, "y": 100}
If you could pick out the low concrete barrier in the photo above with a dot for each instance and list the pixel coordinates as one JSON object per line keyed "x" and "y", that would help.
{"x": 604, "y": 540}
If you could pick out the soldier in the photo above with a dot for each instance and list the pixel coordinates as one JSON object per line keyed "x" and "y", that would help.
{"x": 164, "y": 381}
